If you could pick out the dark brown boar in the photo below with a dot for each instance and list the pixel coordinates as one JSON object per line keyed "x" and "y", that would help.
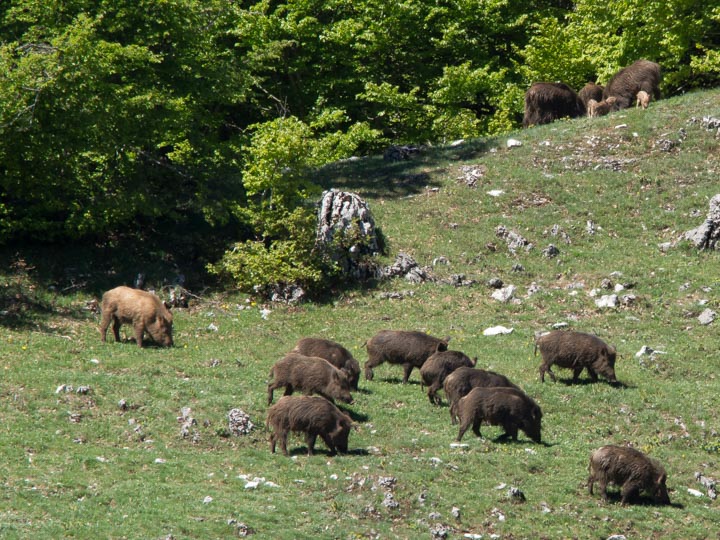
{"x": 334, "y": 353}
{"x": 436, "y": 369}
{"x": 410, "y": 349}
{"x": 546, "y": 102}
{"x": 626, "y": 83}
{"x": 590, "y": 91}
{"x": 508, "y": 407}
{"x": 629, "y": 469}
{"x": 576, "y": 351}
{"x": 310, "y": 415}
{"x": 459, "y": 383}
{"x": 142, "y": 309}
{"x": 309, "y": 375}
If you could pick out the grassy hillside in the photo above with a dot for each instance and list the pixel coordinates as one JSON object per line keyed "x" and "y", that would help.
{"x": 606, "y": 192}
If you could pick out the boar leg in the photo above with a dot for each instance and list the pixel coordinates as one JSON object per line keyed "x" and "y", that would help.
{"x": 629, "y": 490}
{"x": 476, "y": 427}
{"x": 407, "y": 368}
{"x": 591, "y": 482}
{"x": 104, "y": 323}
{"x": 273, "y": 440}
{"x": 139, "y": 330}
{"x": 116, "y": 329}
{"x": 592, "y": 374}
{"x": 453, "y": 414}
{"x": 432, "y": 394}
{"x": 283, "y": 442}
{"x": 576, "y": 373}
{"x": 464, "y": 425}
{"x": 329, "y": 443}
{"x": 373, "y": 361}
{"x": 543, "y": 369}
{"x": 271, "y": 388}
{"x": 310, "y": 441}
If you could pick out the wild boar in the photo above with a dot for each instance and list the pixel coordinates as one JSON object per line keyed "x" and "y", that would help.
{"x": 459, "y": 383}
{"x": 626, "y": 83}
{"x": 546, "y": 102}
{"x": 334, "y": 353}
{"x": 310, "y": 415}
{"x": 410, "y": 349}
{"x": 643, "y": 99}
{"x": 576, "y": 351}
{"x": 590, "y": 91}
{"x": 436, "y": 368}
{"x": 309, "y": 375}
{"x": 142, "y": 309}
{"x": 601, "y": 108}
{"x": 629, "y": 469}
{"x": 500, "y": 406}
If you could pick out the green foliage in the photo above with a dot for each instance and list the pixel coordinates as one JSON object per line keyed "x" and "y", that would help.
{"x": 595, "y": 39}
{"x": 256, "y": 265}
{"x": 282, "y": 155}
{"x": 121, "y": 116}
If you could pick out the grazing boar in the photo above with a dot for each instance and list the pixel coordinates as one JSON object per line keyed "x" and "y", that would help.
{"x": 576, "y": 351}
{"x": 629, "y": 469}
{"x": 410, "y": 349}
{"x": 590, "y": 91}
{"x": 601, "y": 108}
{"x": 436, "y": 368}
{"x": 500, "y": 406}
{"x": 309, "y": 375}
{"x": 334, "y": 353}
{"x": 142, "y": 309}
{"x": 310, "y": 415}
{"x": 546, "y": 102}
{"x": 643, "y": 99}
{"x": 459, "y": 383}
{"x": 626, "y": 83}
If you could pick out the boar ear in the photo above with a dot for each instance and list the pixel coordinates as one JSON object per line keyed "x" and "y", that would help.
{"x": 474, "y": 361}
{"x": 167, "y": 304}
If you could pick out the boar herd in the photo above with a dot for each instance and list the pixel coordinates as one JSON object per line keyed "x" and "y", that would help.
{"x": 475, "y": 396}
{"x": 636, "y": 84}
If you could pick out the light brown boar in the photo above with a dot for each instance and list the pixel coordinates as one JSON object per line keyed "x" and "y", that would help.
{"x": 601, "y": 108}
{"x": 643, "y": 99}
{"x": 508, "y": 407}
{"x": 312, "y": 416}
{"x": 576, "y": 351}
{"x": 629, "y": 469}
{"x": 459, "y": 383}
{"x": 436, "y": 369}
{"x": 410, "y": 349}
{"x": 309, "y": 375}
{"x": 334, "y": 353}
{"x": 143, "y": 310}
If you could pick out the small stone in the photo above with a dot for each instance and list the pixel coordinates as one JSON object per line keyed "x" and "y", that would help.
{"x": 707, "y": 316}
{"x": 607, "y": 301}
{"x": 497, "y": 330}
{"x": 513, "y": 143}
{"x": 505, "y": 294}
{"x": 495, "y": 283}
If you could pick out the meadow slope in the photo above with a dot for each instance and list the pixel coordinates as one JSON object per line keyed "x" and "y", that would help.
{"x": 109, "y": 461}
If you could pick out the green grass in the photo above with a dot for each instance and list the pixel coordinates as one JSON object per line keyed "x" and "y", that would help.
{"x": 127, "y": 473}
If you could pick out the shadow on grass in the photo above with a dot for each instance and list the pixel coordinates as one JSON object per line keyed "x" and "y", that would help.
{"x": 587, "y": 381}
{"x": 614, "y": 496}
{"x": 376, "y": 178}
{"x": 303, "y": 451}
{"x": 355, "y": 416}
